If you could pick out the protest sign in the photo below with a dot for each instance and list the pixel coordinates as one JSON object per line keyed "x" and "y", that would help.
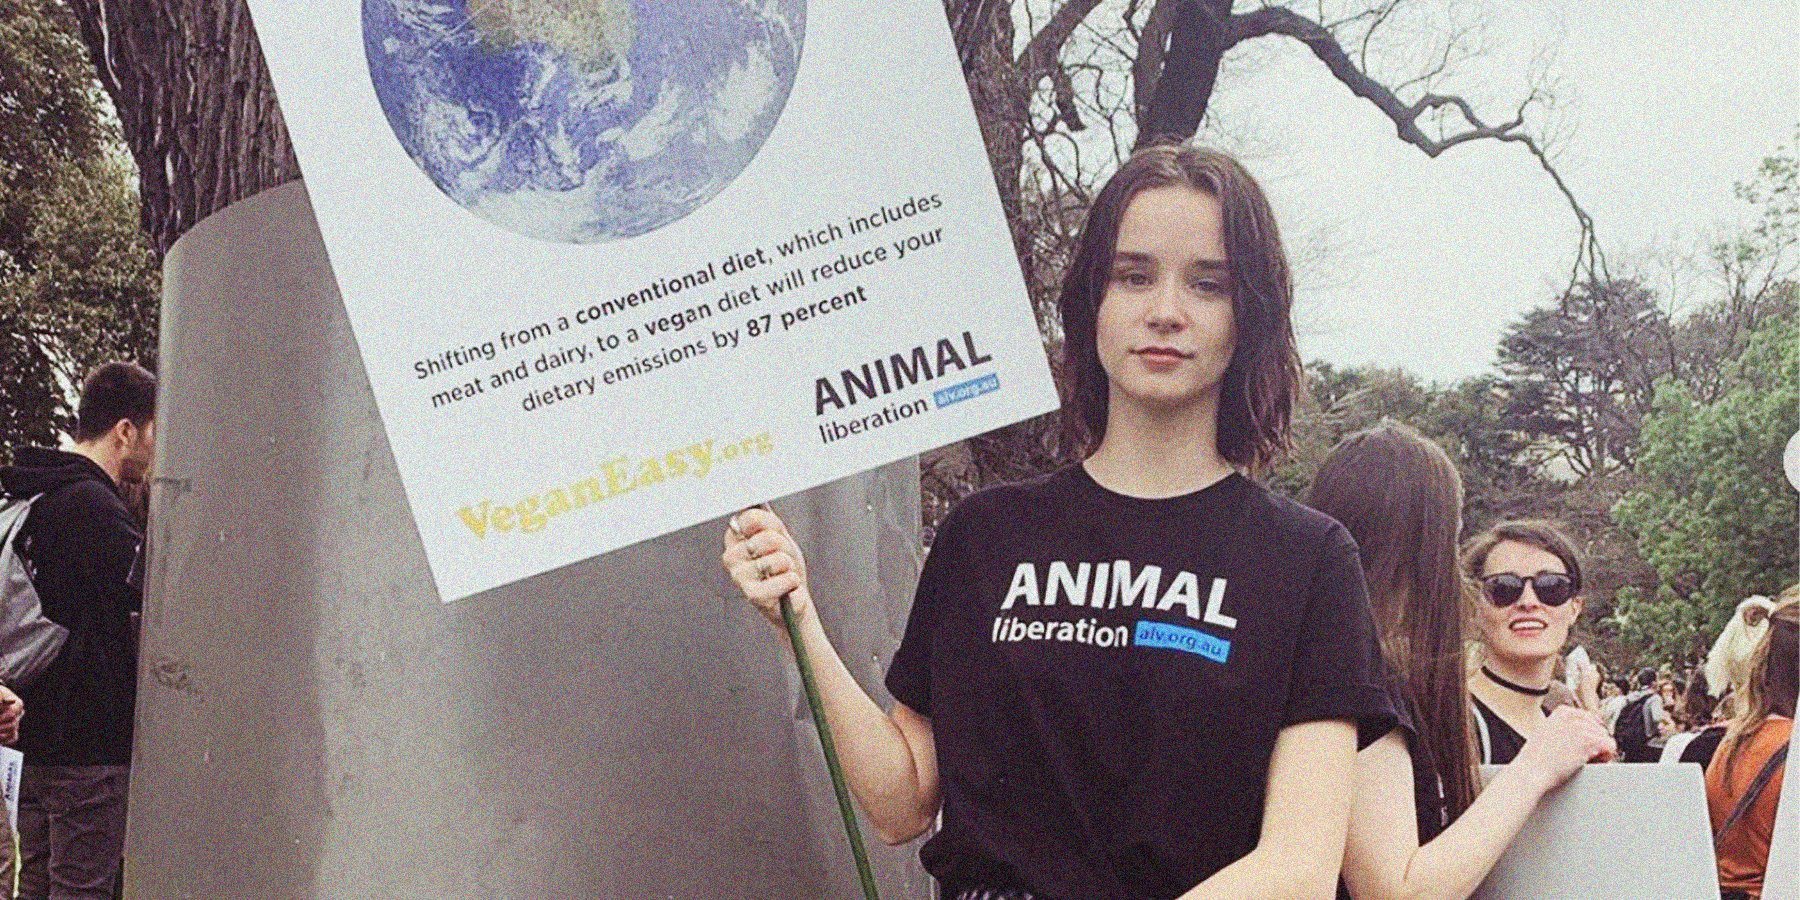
{"x": 1630, "y": 831}
{"x": 1783, "y": 879}
{"x": 12, "y": 766}
{"x": 616, "y": 268}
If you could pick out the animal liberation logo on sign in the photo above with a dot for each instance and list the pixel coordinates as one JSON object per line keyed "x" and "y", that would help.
{"x": 617, "y": 267}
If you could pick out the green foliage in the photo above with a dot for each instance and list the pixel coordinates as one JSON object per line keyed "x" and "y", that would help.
{"x": 1712, "y": 512}
{"x": 49, "y": 103}
{"x": 1468, "y": 419}
{"x": 1756, "y": 267}
{"x": 1762, "y": 255}
{"x": 1561, "y": 433}
{"x": 1338, "y": 403}
{"x": 78, "y": 281}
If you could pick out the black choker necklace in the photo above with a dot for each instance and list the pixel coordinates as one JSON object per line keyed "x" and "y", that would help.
{"x": 1513, "y": 685}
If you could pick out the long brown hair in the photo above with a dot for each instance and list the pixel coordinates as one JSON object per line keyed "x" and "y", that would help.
{"x": 1257, "y": 396}
{"x": 1774, "y": 685}
{"x": 1401, "y": 498}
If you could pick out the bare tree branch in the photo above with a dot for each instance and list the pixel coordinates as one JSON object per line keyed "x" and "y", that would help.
{"x": 969, "y": 20}
{"x": 1197, "y": 40}
{"x": 1380, "y": 16}
{"x": 1040, "y": 54}
{"x": 1146, "y": 67}
{"x": 1063, "y": 88}
{"x": 1274, "y": 20}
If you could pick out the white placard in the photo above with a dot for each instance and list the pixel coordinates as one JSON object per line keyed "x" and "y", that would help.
{"x": 621, "y": 266}
{"x": 12, "y": 767}
{"x": 1782, "y": 879}
{"x": 1624, "y": 831}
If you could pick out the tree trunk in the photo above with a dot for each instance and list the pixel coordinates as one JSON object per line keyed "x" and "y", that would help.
{"x": 1197, "y": 41}
{"x": 985, "y": 34}
{"x": 193, "y": 93}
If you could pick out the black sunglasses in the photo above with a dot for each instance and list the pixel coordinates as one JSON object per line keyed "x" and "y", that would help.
{"x": 1551, "y": 588}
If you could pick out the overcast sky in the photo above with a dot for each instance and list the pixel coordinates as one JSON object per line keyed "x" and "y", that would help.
{"x": 1425, "y": 262}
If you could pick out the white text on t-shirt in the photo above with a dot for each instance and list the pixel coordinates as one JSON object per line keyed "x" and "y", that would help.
{"x": 1113, "y": 586}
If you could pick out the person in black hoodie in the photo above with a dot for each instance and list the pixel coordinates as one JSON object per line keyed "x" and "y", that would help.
{"x": 82, "y": 541}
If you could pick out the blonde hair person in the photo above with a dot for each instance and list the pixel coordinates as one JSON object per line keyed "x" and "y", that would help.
{"x": 1728, "y": 662}
{"x": 1743, "y": 781}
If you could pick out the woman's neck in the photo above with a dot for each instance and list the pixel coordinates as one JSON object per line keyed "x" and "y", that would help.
{"x": 1530, "y": 673}
{"x": 1152, "y": 453}
{"x": 1513, "y": 705}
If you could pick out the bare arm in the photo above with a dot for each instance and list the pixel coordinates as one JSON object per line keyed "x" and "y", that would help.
{"x": 1305, "y": 819}
{"x": 890, "y": 761}
{"x": 1383, "y": 857}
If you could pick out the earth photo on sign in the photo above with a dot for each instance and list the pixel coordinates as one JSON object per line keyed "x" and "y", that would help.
{"x": 581, "y": 121}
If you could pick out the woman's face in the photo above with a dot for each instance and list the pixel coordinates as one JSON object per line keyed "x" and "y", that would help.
{"x": 1527, "y": 631}
{"x": 1165, "y": 330}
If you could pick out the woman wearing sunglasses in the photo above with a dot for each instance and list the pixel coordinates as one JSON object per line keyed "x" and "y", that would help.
{"x": 1530, "y": 583}
{"x": 1421, "y": 827}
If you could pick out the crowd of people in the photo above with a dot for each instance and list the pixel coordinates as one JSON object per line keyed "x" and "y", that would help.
{"x": 1307, "y": 693}
{"x": 1671, "y": 715}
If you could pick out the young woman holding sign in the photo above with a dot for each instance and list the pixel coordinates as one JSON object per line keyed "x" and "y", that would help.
{"x": 1143, "y": 675}
{"x": 1418, "y": 828}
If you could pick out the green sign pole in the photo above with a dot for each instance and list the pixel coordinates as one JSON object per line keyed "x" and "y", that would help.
{"x": 830, "y": 747}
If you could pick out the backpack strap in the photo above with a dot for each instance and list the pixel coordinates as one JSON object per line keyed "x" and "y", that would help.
{"x": 1756, "y": 788}
{"x": 1636, "y": 712}
{"x": 24, "y": 505}
{"x": 19, "y": 537}
{"x": 16, "y": 536}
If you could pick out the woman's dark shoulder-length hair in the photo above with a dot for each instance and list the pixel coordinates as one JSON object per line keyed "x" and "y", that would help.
{"x": 1537, "y": 533}
{"x": 1257, "y": 397}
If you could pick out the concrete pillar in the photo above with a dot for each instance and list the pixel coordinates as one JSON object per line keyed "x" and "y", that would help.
{"x": 312, "y": 722}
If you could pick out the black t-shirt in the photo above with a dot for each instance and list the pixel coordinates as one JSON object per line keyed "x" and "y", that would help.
{"x": 1432, "y": 809}
{"x": 1704, "y": 746}
{"x": 1497, "y": 741}
{"x": 1106, "y": 677}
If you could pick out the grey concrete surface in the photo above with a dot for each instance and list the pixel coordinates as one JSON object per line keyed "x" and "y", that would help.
{"x": 312, "y": 722}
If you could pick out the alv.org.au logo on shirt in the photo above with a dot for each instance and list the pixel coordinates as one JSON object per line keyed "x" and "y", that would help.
{"x": 1114, "y": 585}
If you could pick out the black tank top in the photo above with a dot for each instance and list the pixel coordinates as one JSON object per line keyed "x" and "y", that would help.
{"x": 1498, "y": 741}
